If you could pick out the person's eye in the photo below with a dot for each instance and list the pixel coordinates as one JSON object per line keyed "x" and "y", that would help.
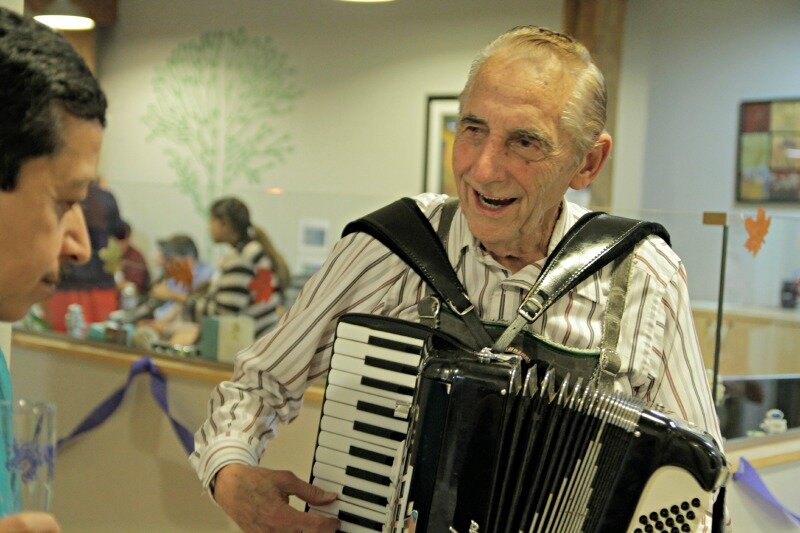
{"x": 529, "y": 148}
{"x": 471, "y": 130}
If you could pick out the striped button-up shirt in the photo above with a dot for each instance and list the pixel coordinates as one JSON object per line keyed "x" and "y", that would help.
{"x": 661, "y": 360}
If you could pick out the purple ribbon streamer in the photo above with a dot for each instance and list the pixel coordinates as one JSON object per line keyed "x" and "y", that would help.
{"x": 158, "y": 389}
{"x": 748, "y": 476}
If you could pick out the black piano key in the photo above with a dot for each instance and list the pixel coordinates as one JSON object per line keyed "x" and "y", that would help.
{"x": 375, "y": 457}
{"x": 392, "y": 366}
{"x": 393, "y": 345}
{"x": 387, "y": 386}
{"x": 379, "y": 431}
{"x": 367, "y": 407}
{"x": 365, "y": 496}
{"x": 360, "y": 521}
{"x": 367, "y": 475}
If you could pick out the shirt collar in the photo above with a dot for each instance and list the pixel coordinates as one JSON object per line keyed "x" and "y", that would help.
{"x": 466, "y": 243}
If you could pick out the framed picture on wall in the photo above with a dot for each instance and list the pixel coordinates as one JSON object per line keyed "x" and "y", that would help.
{"x": 440, "y": 133}
{"x": 768, "y": 161}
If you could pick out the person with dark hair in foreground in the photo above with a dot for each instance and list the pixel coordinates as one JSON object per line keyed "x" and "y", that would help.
{"x": 50, "y": 137}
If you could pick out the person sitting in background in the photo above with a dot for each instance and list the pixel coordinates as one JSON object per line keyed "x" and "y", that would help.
{"x": 183, "y": 274}
{"x": 252, "y": 277}
{"x": 133, "y": 267}
{"x": 90, "y": 285}
{"x": 53, "y": 119}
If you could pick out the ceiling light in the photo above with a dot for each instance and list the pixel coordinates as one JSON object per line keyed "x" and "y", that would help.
{"x": 64, "y": 15}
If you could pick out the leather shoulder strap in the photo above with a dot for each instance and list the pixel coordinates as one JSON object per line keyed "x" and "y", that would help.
{"x": 594, "y": 241}
{"x": 405, "y": 230}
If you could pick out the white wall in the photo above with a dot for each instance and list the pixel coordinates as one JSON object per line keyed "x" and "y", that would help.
{"x": 16, "y": 5}
{"x": 358, "y": 131}
{"x": 687, "y": 65}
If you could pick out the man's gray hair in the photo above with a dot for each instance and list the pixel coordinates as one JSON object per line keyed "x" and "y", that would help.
{"x": 584, "y": 116}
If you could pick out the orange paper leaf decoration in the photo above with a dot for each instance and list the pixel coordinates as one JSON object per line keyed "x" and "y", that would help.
{"x": 261, "y": 285}
{"x": 179, "y": 269}
{"x": 757, "y": 229}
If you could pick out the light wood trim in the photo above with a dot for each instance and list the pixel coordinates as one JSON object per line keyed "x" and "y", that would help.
{"x": 105, "y": 353}
{"x": 772, "y": 460}
{"x": 120, "y": 356}
{"x": 765, "y": 451}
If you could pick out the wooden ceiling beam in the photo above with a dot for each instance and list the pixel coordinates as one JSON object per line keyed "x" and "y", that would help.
{"x": 599, "y": 25}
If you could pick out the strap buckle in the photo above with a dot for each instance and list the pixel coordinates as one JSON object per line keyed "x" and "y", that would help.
{"x": 455, "y": 309}
{"x": 530, "y": 309}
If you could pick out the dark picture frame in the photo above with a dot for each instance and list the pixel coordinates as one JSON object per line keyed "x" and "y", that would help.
{"x": 440, "y": 123}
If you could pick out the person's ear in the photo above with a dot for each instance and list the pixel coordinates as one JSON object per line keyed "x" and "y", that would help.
{"x": 592, "y": 162}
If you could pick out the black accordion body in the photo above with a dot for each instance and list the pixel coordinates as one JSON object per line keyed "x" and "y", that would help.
{"x": 414, "y": 421}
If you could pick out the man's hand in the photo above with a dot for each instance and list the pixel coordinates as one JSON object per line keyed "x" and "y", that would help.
{"x": 29, "y": 522}
{"x": 258, "y": 500}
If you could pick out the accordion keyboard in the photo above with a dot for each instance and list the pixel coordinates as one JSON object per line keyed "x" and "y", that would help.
{"x": 361, "y": 445}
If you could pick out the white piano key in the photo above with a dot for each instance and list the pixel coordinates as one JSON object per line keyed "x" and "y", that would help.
{"x": 338, "y": 475}
{"x": 348, "y": 412}
{"x": 345, "y": 428}
{"x": 341, "y": 459}
{"x": 357, "y": 366}
{"x": 343, "y": 444}
{"x": 344, "y": 527}
{"x": 363, "y": 333}
{"x": 353, "y": 381}
{"x": 338, "y": 507}
{"x": 361, "y": 351}
{"x": 347, "y": 396}
{"x": 338, "y": 489}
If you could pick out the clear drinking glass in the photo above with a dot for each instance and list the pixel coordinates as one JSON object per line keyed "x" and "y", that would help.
{"x": 27, "y": 455}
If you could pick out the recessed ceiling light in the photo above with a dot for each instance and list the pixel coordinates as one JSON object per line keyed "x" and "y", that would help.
{"x": 64, "y": 15}
{"x": 66, "y": 22}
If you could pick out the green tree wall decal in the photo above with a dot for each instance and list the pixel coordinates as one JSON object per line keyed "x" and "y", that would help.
{"x": 216, "y": 100}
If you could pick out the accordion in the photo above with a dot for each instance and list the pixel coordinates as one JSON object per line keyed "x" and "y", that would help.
{"x": 415, "y": 422}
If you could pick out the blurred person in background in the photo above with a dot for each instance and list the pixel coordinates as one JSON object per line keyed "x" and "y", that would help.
{"x": 133, "y": 267}
{"x": 251, "y": 278}
{"x": 90, "y": 284}
{"x": 50, "y": 138}
{"x": 183, "y": 274}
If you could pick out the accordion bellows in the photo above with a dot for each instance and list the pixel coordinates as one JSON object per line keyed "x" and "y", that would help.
{"x": 472, "y": 442}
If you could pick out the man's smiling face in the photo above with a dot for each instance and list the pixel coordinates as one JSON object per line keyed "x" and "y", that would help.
{"x": 512, "y": 159}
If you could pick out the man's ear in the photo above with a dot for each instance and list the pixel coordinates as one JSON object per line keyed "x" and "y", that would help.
{"x": 592, "y": 162}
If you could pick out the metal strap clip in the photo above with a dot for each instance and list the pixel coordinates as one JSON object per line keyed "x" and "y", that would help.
{"x": 459, "y": 312}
